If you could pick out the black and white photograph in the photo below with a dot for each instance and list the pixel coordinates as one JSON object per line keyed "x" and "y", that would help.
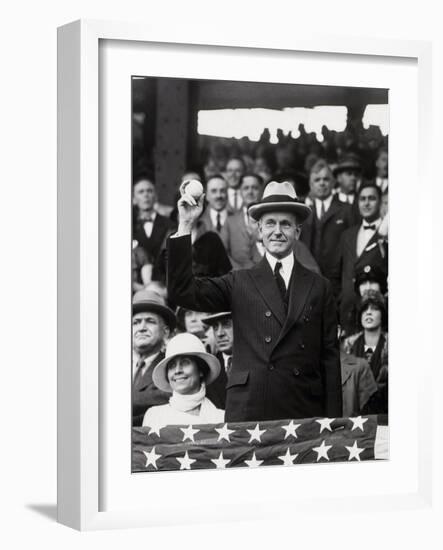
{"x": 260, "y": 231}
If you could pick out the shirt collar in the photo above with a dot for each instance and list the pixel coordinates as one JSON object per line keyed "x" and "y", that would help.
{"x": 326, "y": 202}
{"x": 376, "y": 222}
{"x": 287, "y": 263}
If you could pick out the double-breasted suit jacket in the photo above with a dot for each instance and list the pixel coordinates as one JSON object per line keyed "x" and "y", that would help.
{"x": 284, "y": 365}
{"x": 375, "y": 253}
{"x": 145, "y": 393}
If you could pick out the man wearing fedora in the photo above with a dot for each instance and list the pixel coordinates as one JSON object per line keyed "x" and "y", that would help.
{"x": 221, "y": 324}
{"x": 152, "y": 322}
{"x": 285, "y": 355}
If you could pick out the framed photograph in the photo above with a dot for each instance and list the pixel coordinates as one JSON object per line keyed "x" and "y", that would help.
{"x": 165, "y": 381}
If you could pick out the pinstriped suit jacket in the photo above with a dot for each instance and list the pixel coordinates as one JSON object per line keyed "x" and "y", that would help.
{"x": 284, "y": 366}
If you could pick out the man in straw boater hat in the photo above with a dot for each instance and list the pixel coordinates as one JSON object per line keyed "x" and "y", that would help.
{"x": 152, "y": 322}
{"x": 286, "y": 357}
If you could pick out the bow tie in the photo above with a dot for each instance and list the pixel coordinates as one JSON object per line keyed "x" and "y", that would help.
{"x": 372, "y": 226}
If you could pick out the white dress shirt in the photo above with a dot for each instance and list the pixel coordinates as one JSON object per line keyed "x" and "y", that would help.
{"x": 383, "y": 183}
{"x": 148, "y": 226}
{"x": 213, "y": 215}
{"x": 365, "y": 235}
{"x": 286, "y": 266}
{"x": 318, "y": 204}
{"x": 234, "y": 198}
{"x": 343, "y": 197}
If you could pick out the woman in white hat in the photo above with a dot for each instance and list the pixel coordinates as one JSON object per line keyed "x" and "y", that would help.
{"x": 185, "y": 372}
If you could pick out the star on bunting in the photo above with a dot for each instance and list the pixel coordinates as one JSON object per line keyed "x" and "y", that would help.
{"x": 188, "y": 433}
{"x": 254, "y": 463}
{"x": 322, "y": 451}
{"x": 325, "y": 424}
{"x": 358, "y": 423}
{"x": 288, "y": 459}
{"x": 224, "y": 433}
{"x": 151, "y": 458}
{"x": 220, "y": 462}
{"x": 290, "y": 429}
{"x": 155, "y": 428}
{"x": 354, "y": 451}
{"x": 255, "y": 434}
{"x": 185, "y": 462}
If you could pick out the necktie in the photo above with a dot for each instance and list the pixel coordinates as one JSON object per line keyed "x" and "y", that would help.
{"x": 280, "y": 281}
{"x": 229, "y": 366}
{"x": 368, "y": 354}
{"x": 322, "y": 210}
{"x": 139, "y": 370}
{"x": 372, "y": 226}
{"x": 235, "y": 200}
{"x": 218, "y": 226}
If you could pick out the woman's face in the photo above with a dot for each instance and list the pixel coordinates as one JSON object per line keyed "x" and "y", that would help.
{"x": 184, "y": 375}
{"x": 371, "y": 318}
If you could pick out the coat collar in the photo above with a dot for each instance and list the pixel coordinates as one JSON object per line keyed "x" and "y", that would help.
{"x": 300, "y": 285}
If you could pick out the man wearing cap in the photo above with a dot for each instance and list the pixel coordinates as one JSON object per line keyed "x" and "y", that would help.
{"x": 152, "y": 322}
{"x": 221, "y": 324}
{"x": 285, "y": 355}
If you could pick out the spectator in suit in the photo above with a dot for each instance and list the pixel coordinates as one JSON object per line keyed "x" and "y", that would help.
{"x": 152, "y": 323}
{"x": 239, "y": 233}
{"x": 184, "y": 374}
{"x": 330, "y": 218}
{"x": 361, "y": 245}
{"x": 149, "y": 227}
{"x": 286, "y": 357}
{"x": 216, "y": 212}
{"x": 235, "y": 168}
{"x": 221, "y": 324}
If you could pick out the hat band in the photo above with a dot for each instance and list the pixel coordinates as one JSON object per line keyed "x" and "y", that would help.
{"x": 279, "y": 198}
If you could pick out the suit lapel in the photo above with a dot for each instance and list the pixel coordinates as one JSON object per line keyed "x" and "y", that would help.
{"x": 264, "y": 281}
{"x": 333, "y": 208}
{"x": 300, "y": 287}
{"x": 146, "y": 379}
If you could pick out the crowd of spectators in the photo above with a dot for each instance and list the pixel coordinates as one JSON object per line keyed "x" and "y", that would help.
{"x": 344, "y": 180}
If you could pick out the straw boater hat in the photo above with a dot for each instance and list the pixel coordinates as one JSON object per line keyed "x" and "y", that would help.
{"x": 212, "y": 319}
{"x": 279, "y": 197}
{"x": 189, "y": 345}
{"x": 148, "y": 300}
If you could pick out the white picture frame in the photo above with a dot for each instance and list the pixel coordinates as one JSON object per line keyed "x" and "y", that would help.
{"x": 82, "y": 295}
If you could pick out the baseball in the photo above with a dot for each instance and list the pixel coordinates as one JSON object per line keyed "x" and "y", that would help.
{"x": 193, "y": 188}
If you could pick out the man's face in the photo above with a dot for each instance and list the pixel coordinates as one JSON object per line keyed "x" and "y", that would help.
{"x": 278, "y": 231}
{"x": 234, "y": 172}
{"x": 347, "y": 179}
{"x": 321, "y": 184}
{"x": 250, "y": 190}
{"x": 224, "y": 335}
{"x": 368, "y": 285}
{"x": 369, "y": 204}
{"x": 193, "y": 323}
{"x": 149, "y": 331}
{"x": 144, "y": 195}
{"x": 216, "y": 193}
{"x": 382, "y": 164}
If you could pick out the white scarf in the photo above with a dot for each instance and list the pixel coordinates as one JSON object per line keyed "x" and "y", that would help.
{"x": 185, "y": 403}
